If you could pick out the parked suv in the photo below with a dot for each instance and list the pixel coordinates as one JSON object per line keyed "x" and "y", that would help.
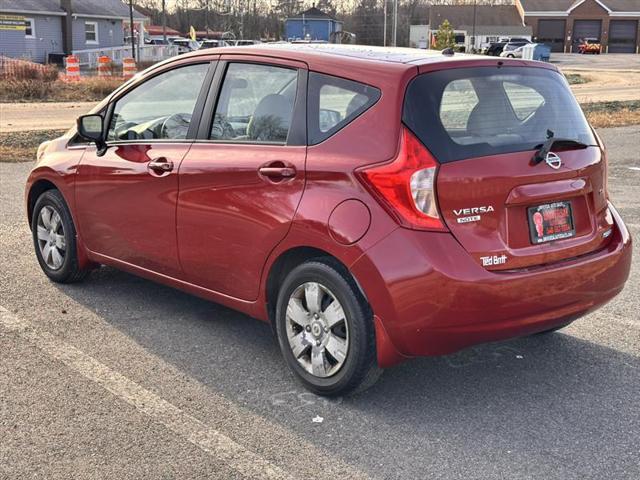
{"x": 372, "y": 204}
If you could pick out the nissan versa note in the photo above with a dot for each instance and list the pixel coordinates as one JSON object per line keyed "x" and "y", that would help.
{"x": 372, "y": 204}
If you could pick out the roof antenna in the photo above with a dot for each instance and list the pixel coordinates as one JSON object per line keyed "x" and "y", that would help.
{"x": 448, "y": 52}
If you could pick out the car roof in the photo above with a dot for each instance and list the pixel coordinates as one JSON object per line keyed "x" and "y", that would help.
{"x": 362, "y": 63}
{"x": 343, "y": 53}
{"x": 363, "y": 52}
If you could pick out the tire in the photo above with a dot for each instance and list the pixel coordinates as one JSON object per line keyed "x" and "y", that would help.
{"x": 61, "y": 262}
{"x": 511, "y": 56}
{"x": 317, "y": 339}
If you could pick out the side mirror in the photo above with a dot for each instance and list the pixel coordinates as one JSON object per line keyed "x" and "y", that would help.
{"x": 91, "y": 127}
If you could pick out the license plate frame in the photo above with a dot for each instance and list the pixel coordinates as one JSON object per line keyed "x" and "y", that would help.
{"x": 552, "y": 223}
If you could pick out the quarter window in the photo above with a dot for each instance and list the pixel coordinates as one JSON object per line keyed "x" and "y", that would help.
{"x": 334, "y": 102}
{"x": 91, "y": 32}
{"x": 255, "y": 104}
{"x": 160, "y": 108}
{"x": 29, "y": 28}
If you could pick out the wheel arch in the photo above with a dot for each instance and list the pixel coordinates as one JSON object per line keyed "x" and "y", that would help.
{"x": 287, "y": 261}
{"x": 38, "y": 188}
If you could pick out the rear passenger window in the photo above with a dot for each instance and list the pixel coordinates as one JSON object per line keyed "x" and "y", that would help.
{"x": 334, "y": 102}
{"x": 255, "y": 104}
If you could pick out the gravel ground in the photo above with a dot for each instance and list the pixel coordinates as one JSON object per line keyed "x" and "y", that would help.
{"x": 118, "y": 377}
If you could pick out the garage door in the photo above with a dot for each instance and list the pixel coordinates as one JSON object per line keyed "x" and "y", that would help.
{"x": 551, "y": 32}
{"x": 622, "y": 36}
{"x": 585, "y": 29}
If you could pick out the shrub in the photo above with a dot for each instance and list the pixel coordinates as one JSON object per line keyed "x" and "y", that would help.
{"x": 99, "y": 87}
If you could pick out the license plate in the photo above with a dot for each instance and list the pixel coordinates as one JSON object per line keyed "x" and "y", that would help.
{"x": 551, "y": 221}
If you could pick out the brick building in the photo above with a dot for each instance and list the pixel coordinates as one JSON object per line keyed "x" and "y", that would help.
{"x": 563, "y": 23}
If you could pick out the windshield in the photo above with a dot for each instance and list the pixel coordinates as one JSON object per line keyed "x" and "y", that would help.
{"x": 472, "y": 112}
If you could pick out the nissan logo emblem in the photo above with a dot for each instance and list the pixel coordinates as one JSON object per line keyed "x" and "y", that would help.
{"x": 553, "y": 160}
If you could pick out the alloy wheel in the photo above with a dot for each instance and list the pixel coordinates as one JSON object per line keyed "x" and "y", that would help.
{"x": 317, "y": 329}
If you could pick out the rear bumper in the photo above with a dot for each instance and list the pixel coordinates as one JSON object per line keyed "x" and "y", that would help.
{"x": 430, "y": 297}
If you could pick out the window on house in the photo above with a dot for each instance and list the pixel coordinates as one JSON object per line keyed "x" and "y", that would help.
{"x": 91, "y": 32}
{"x": 29, "y": 28}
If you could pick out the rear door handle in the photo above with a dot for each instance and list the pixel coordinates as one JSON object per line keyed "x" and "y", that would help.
{"x": 277, "y": 172}
{"x": 160, "y": 165}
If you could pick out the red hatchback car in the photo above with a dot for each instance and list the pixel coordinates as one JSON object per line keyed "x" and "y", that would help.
{"x": 372, "y": 204}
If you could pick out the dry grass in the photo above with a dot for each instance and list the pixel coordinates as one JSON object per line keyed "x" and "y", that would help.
{"x": 37, "y": 90}
{"x": 576, "y": 78}
{"x": 22, "y": 146}
{"x": 613, "y": 114}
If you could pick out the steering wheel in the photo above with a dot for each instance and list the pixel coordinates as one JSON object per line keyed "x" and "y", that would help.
{"x": 175, "y": 126}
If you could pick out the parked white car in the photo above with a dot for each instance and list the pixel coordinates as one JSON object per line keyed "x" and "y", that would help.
{"x": 512, "y": 51}
{"x": 184, "y": 45}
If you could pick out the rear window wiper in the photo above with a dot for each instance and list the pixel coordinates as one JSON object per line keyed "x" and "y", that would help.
{"x": 543, "y": 149}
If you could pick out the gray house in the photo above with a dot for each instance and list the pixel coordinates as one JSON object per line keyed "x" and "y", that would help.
{"x": 33, "y": 29}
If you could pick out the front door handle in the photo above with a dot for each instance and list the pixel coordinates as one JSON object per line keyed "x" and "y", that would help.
{"x": 160, "y": 165}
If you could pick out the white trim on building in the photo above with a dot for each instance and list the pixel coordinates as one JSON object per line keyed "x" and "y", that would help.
{"x": 88, "y": 33}
{"x": 31, "y": 27}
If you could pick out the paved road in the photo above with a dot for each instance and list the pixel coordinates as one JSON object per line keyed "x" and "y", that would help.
{"x": 608, "y": 62}
{"x": 121, "y": 378}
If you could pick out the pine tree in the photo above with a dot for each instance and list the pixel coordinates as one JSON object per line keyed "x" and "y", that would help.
{"x": 444, "y": 36}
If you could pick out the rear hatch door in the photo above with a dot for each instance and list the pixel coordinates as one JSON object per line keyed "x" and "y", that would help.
{"x": 485, "y": 125}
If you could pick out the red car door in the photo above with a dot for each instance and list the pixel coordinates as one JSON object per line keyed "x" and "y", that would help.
{"x": 126, "y": 198}
{"x": 241, "y": 182}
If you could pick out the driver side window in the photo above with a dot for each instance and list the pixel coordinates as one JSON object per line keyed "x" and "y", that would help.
{"x": 160, "y": 108}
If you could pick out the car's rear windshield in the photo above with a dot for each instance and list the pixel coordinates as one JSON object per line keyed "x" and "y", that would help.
{"x": 472, "y": 112}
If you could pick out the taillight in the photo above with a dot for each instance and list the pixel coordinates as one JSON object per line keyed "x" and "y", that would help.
{"x": 406, "y": 186}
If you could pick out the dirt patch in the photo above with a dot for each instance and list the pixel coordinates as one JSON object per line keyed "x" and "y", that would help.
{"x": 605, "y": 86}
{"x": 22, "y": 146}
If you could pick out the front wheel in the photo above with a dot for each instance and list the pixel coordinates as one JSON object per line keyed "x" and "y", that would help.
{"x": 325, "y": 329}
{"x": 54, "y": 238}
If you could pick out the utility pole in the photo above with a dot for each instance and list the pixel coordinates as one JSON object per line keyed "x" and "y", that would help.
{"x": 164, "y": 22}
{"x": 384, "y": 32}
{"x": 473, "y": 47}
{"x": 133, "y": 35}
{"x": 206, "y": 19}
{"x": 395, "y": 24}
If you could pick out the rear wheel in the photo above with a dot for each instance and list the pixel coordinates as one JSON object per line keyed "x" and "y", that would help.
{"x": 54, "y": 238}
{"x": 325, "y": 329}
